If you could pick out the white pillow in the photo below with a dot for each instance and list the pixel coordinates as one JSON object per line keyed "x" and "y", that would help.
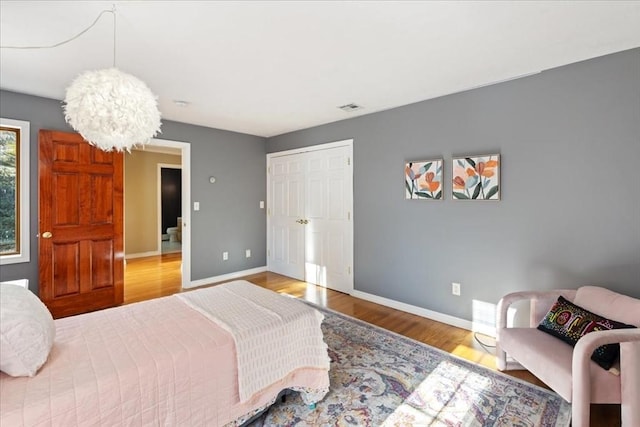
{"x": 27, "y": 331}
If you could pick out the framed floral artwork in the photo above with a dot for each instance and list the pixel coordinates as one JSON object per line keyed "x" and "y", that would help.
{"x": 476, "y": 177}
{"x": 423, "y": 179}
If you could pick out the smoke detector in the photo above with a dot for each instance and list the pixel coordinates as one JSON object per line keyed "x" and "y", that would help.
{"x": 350, "y": 107}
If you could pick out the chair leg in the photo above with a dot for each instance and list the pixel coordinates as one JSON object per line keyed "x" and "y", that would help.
{"x": 501, "y": 358}
{"x": 580, "y": 414}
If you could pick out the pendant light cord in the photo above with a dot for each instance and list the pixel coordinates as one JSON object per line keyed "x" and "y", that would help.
{"x": 113, "y": 11}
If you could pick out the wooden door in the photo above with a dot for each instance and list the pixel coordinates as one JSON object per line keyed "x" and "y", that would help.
{"x": 80, "y": 225}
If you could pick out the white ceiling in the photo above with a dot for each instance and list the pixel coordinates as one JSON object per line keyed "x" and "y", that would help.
{"x": 267, "y": 68}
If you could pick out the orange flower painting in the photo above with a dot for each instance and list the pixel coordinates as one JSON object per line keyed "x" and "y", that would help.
{"x": 423, "y": 179}
{"x": 476, "y": 178}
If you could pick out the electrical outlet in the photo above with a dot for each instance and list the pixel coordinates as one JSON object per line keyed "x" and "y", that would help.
{"x": 455, "y": 288}
{"x": 247, "y": 253}
{"x": 225, "y": 256}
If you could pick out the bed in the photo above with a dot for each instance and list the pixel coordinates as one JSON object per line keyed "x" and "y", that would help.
{"x": 214, "y": 356}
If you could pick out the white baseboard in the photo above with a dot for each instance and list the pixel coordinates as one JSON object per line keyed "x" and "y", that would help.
{"x": 225, "y": 277}
{"x": 142, "y": 254}
{"x": 419, "y": 311}
{"x": 429, "y": 314}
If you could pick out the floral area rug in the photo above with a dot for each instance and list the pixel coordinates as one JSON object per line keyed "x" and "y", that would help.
{"x": 379, "y": 378}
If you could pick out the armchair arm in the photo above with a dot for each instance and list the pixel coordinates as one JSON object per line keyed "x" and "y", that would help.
{"x": 580, "y": 366}
{"x": 510, "y": 299}
{"x": 586, "y": 345}
{"x": 501, "y": 317}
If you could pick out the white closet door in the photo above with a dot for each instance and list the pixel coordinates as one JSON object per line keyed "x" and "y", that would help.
{"x": 310, "y": 224}
{"x": 328, "y": 250}
{"x": 286, "y": 232}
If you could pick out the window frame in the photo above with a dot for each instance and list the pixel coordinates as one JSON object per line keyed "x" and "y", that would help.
{"x": 22, "y": 191}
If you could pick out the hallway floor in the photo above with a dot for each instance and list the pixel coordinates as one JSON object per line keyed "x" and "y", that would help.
{"x": 171, "y": 247}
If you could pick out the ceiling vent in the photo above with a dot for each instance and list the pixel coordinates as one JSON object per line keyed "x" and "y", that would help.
{"x": 350, "y": 107}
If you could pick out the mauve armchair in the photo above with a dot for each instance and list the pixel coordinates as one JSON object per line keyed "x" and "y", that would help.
{"x": 567, "y": 370}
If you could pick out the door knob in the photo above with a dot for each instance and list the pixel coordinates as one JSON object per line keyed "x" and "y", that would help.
{"x": 305, "y": 221}
{"x": 47, "y": 235}
{"x": 299, "y": 221}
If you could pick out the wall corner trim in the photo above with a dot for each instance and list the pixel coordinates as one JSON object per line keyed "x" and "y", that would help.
{"x": 225, "y": 277}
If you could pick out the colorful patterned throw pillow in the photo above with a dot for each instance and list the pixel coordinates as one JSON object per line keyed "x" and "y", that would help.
{"x": 570, "y": 322}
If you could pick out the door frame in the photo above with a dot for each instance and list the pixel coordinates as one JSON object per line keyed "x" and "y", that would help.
{"x": 185, "y": 149}
{"x": 311, "y": 148}
{"x": 161, "y": 166}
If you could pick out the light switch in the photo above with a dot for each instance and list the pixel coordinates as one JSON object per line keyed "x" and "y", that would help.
{"x": 196, "y": 206}
{"x": 261, "y": 204}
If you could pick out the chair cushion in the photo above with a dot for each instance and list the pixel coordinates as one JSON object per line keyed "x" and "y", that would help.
{"x": 549, "y": 359}
{"x": 570, "y": 322}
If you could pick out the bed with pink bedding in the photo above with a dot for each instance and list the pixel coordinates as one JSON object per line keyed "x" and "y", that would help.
{"x": 162, "y": 362}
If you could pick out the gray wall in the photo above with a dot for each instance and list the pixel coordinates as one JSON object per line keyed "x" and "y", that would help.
{"x": 569, "y": 140}
{"x": 229, "y": 218}
{"x": 569, "y": 214}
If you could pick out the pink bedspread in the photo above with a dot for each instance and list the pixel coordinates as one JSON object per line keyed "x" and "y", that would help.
{"x": 158, "y": 362}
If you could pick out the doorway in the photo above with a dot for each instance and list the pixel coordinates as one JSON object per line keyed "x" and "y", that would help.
{"x": 169, "y": 208}
{"x": 183, "y": 150}
{"x": 310, "y": 205}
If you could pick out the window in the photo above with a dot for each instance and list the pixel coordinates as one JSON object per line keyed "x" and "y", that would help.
{"x": 14, "y": 191}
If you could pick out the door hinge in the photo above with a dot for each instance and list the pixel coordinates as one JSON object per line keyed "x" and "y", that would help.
{"x": 348, "y": 161}
{"x": 349, "y": 216}
{"x": 269, "y": 211}
{"x": 268, "y": 252}
{"x": 349, "y": 270}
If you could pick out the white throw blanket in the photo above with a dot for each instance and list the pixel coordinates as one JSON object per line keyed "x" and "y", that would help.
{"x": 274, "y": 335}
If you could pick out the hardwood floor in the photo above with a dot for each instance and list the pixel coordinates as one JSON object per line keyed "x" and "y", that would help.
{"x": 153, "y": 277}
